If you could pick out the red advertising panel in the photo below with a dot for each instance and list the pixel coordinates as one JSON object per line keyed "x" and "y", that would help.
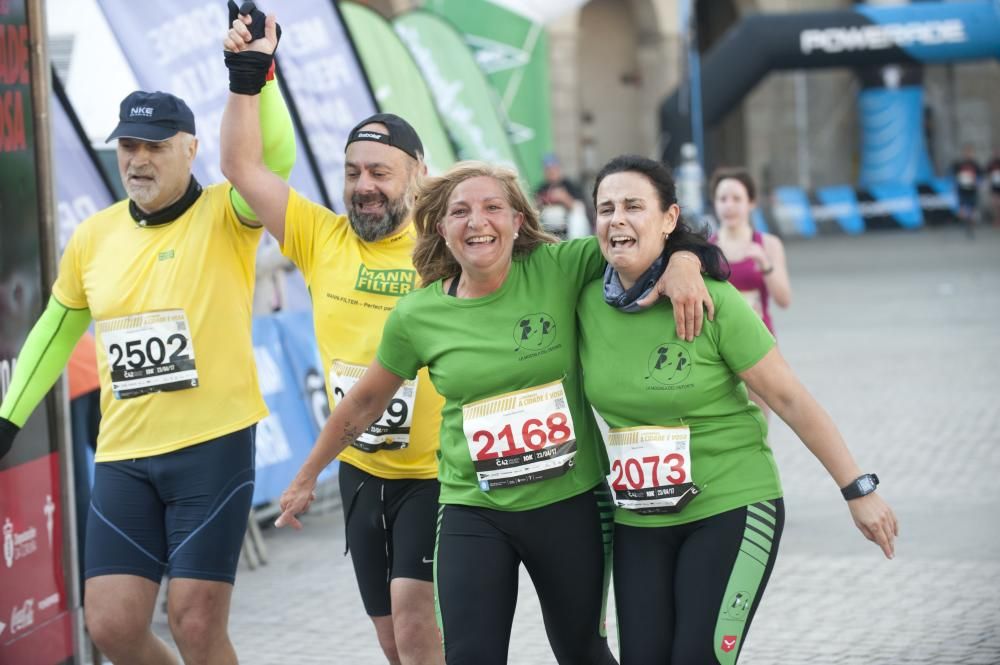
{"x": 35, "y": 618}
{"x": 35, "y": 624}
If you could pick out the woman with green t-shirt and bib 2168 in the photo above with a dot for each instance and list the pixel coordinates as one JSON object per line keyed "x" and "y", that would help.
{"x": 522, "y": 468}
{"x": 700, "y": 509}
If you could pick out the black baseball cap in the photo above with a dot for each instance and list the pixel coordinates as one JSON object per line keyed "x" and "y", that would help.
{"x": 401, "y": 134}
{"x": 152, "y": 116}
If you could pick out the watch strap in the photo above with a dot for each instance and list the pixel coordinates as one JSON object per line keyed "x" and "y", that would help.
{"x": 860, "y": 486}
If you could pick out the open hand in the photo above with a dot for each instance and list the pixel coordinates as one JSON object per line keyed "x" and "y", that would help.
{"x": 875, "y": 519}
{"x": 683, "y": 284}
{"x": 294, "y": 501}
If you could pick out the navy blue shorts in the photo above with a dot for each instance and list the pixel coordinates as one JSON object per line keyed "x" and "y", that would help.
{"x": 182, "y": 513}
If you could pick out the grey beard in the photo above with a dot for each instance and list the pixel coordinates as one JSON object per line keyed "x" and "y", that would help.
{"x": 372, "y": 227}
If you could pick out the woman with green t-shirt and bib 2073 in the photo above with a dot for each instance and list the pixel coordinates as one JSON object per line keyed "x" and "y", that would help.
{"x": 700, "y": 509}
{"x": 521, "y": 466}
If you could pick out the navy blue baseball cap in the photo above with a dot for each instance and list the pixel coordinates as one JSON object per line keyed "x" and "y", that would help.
{"x": 152, "y": 116}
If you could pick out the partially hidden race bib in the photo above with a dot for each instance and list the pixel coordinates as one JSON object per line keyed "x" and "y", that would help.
{"x": 521, "y": 437}
{"x": 995, "y": 177}
{"x": 392, "y": 430}
{"x": 651, "y": 469}
{"x": 149, "y": 352}
{"x": 967, "y": 178}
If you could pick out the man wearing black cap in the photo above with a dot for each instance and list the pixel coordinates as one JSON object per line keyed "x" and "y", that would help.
{"x": 167, "y": 277}
{"x": 357, "y": 265}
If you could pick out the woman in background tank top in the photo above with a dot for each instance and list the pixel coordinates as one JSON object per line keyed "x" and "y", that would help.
{"x": 756, "y": 260}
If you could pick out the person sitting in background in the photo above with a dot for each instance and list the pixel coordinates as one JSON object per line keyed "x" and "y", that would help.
{"x": 560, "y": 203}
{"x": 756, "y": 260}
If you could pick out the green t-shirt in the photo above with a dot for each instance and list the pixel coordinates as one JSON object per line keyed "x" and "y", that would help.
{"x": 638, "y": 372}
{"x": 521, "y": 336}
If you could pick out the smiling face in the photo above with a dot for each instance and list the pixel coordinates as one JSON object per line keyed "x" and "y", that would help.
{"x": 377, "y": 178}
{"x": 732, "y": 203}
{"x": 479, "y": 227}
{"x": 631, "y": 224}
{"x": 156, "y": 173}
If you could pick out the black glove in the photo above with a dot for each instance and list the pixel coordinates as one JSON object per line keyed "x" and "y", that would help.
{"x": 257, "y": 17}
{"x": 249, "y": 70}
{"x": 8, "y": 431}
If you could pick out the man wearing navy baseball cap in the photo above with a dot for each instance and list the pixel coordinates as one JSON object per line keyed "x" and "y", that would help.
{"x": 156, "y": 148}
{"x": 167, "y": 277}
{"x": 357, "y": 266}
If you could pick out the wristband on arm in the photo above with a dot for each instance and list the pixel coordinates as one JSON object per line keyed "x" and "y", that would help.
{"x": 249, "y": 70}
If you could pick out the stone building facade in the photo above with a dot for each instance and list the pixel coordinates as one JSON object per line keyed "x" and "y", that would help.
{"x": 613, "y": 62}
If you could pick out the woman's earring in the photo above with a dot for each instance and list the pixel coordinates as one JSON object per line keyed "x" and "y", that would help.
{"x": 515, "y": 235}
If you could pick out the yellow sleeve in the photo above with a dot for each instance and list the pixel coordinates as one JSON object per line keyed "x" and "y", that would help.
{"x": 303, "y": 221}
{"x": 68, "y": 289}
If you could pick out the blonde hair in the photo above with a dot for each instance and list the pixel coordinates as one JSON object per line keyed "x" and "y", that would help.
{"x": 431, "y": 257}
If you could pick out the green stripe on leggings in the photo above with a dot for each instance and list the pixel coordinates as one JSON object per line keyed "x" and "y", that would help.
{"x": 437, "y": 599}
{"x": 606, "y": 509}
{"x": 744, "y": 583}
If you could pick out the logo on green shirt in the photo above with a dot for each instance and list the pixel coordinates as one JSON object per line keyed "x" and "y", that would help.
{"x": 168, "y": 254}
{"x": 385, "y": 282}
{"x": 534, "y": 332}
{"x": 669, "y": 364}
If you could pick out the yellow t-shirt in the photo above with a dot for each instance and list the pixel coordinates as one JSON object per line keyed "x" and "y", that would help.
{"x": 172, "y": 306}
{"x": 354, "y": 285}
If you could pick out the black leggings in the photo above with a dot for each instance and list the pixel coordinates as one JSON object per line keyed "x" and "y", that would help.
{"x": 565, "y": 547}
{"x": 686, "y": 594}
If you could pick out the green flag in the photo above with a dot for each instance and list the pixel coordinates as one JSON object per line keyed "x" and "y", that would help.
{"x": 397, "y": 83}
{"x": 513, "y": 52}
{"x": 464, "y": 98}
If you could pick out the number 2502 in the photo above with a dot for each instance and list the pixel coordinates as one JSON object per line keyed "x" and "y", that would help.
{"x": 154, "y": 353}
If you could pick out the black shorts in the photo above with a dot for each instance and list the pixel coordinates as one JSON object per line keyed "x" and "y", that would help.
{"x": 686, "y": 594}
{"x": 389, "y": 528}
{"x": 182, "y": 513}
{"x": 565, "y": 547}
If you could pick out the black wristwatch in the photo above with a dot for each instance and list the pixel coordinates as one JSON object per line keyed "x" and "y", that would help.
{"x": 861, "y": 486}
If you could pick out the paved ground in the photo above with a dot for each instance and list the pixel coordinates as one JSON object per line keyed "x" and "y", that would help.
{"x": 897, "y": 335}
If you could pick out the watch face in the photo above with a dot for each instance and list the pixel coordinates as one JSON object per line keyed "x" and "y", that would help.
{"x": 866, "y": 484}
